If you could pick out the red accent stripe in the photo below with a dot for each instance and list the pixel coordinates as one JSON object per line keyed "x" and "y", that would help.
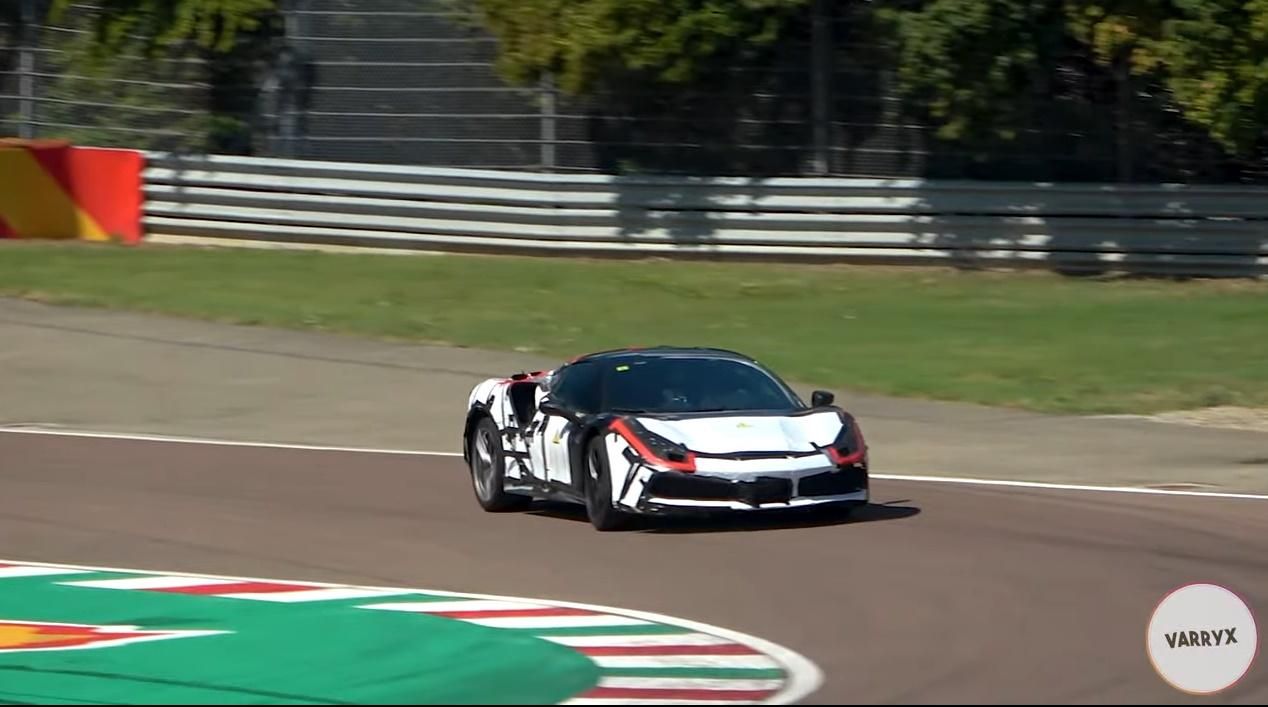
{"x": 237, "y": 588}
{"x": 724, "y": 649}
{"x": 611, "y": 693}
{"x": 528, "y": 376}
{"x": 7, "y": 231}
{"x": 645, "y": 452}
{"x": 497, "y": 614}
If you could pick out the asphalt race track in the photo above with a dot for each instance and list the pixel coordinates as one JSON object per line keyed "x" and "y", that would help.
{"x": 941, "y": 593}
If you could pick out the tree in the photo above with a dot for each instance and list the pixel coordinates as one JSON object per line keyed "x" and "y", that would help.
{"x": 212, "y": 24}
{"x": 972, "y": 59}
{"x": 588, "y": 43}
{"x": 1214, "y": 55}
{"x": 132, "y": 77}
{"x": 10, "y": 25}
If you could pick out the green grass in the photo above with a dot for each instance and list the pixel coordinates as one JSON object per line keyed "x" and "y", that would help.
{"x": 1036, "y": 341}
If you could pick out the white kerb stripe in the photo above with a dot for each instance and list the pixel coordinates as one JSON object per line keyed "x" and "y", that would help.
{"x": 159, "y": 582}
{"x": 655, "y": 639}
{"x": 32, "y": 571}
{"x": 645, "y": 683}
{"x": 530, "y": 622}
{"x": 431, "y": 607}
{"x": 683, "y": 661}
{"x": 319, "y": 594}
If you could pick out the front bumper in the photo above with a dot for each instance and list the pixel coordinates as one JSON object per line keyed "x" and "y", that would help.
{"x": 664, "y": 492}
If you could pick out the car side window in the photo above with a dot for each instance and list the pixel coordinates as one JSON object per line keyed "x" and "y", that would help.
{"x": 577, "y": 387}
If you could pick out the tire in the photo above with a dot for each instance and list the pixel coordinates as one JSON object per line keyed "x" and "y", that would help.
{"x": 604, "y": 515}
{"x": 487, "y": 468}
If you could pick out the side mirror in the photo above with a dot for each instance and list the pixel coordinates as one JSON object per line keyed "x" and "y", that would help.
{"x": 822, "y": 398}
{"x": 550, "y": 407}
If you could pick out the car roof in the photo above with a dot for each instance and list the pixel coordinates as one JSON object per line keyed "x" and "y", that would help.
{"x": 663, "y": 352}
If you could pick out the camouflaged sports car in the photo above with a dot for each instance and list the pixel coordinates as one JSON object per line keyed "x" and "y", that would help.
{"x": 660, "y": 430}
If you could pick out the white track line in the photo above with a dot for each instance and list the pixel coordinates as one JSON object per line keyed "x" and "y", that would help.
{"x": 803, "y": 676}
{"x": 421, "y": 453}
{"x": 218, "y": 442}
{"x": 1067, "y": 487}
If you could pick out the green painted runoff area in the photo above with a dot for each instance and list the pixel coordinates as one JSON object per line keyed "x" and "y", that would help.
{"x": 324, "y": 652}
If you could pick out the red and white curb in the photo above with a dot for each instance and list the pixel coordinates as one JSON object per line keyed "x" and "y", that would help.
{"x": 642, "y": 657}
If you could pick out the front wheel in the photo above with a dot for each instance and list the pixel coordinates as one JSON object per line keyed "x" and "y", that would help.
{"x": 488, "y": 470}
{"x": 604, "y": 515}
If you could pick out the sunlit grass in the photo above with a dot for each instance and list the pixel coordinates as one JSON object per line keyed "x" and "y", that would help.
{"x": 1036, "y": 341}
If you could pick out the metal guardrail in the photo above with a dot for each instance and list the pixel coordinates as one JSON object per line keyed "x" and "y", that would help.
{"x": 1181, "y": 230}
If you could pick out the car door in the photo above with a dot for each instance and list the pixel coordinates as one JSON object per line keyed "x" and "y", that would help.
{"x": 554, "y": 444}
{"x": 575, "y": 389}
{"x": 547, "y": 441}
{"x": 535, "y": 437}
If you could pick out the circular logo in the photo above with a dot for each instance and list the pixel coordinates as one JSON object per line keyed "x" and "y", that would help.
{"x": 1202, "y": 638}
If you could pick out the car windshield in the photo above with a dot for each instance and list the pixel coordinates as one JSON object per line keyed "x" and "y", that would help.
{"x": 684, "y": 384}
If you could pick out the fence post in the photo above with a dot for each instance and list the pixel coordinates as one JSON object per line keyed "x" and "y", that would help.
{"x": 548, "y": 111}
{"x": 1124, "y": 127}
{"x": 820, "y": 61}
{"x": 290, "y": 76}
{"x": 26, "y": 70}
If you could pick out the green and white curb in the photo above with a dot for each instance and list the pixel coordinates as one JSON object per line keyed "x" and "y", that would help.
{"x": 618, "y": 656}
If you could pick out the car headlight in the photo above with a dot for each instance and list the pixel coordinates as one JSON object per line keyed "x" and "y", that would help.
{"x": 849, "y": 447}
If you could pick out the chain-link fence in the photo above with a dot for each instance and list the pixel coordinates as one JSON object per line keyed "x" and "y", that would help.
{"x": 411, "y": 82}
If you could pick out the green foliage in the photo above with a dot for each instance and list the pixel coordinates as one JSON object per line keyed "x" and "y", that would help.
{"x": 212, "y": 24}
{"x": 972, "y": 60}
{"x": 1214, "y": 54}
{"x": 125, "y": 98}
{"x": 1117, "y": 33}
{"x": 132, "y": 78}
{"x": 10, "y": 25}
{"x": 586, "y": 43}
{"x": 976, "y": 64}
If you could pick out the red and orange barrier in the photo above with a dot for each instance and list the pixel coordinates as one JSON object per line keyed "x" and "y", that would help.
{"x": 51, "y": 189}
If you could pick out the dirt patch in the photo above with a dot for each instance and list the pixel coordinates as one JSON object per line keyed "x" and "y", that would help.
{"x": 1227, "y": 416}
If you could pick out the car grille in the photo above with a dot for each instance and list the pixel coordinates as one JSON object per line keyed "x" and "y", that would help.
{"x": 833, "y": 483}
{"x": 758, "y": 491}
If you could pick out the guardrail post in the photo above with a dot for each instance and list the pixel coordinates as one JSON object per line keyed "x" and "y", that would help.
{"x": 26, "y": 70}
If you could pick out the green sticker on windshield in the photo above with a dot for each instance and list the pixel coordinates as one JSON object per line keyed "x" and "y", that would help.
{"x": 623, "y": 367}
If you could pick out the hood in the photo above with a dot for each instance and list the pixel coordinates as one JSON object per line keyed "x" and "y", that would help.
{"x": 749, "y": 433}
